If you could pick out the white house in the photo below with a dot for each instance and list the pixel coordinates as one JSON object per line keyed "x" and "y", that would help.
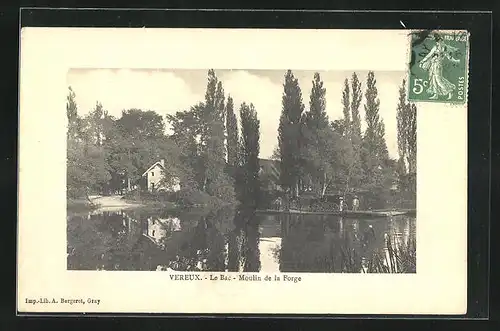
{"x": 154, "y": 176}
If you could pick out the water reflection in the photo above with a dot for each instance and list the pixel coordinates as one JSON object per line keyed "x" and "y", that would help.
{"x": 228, "y": 240}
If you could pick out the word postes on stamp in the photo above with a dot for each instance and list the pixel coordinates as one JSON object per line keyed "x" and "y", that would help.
{"x": 438, "y": 68}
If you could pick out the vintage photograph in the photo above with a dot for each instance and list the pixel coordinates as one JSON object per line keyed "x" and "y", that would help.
{"x": 183, "y": 168}
{"x": 239, "y": 170}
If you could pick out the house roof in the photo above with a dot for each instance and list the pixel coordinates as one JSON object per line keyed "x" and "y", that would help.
{"x": 269, "y": 166}
{"x": 154, "y": 164}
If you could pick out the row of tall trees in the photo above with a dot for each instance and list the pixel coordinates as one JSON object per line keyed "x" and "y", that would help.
{"x": 407, "y": 143}
{"x": 223, "y": 162}
{"x": 206, "y": 149}
{"x": 320, "y": 155}
{"x": 212, "y": 155}
{"x": 223, "y": 159}
{"x": 106, "y": 154}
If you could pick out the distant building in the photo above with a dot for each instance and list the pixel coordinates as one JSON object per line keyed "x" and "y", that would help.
{"x": 154, "y": 178}
{"x": 269, "y": 173}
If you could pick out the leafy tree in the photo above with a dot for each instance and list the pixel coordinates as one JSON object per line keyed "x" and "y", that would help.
{"x": 212, "y": 140}
{"x": 136, "y": 143}
{"x": 321, "y": 142}
{"x": 412, "y": 150}
{"x": 407, "y": 140}
{"x": 72, "y": 114}
{"x": 355, "y": 103}
{"x": 374, "y": 137}
{"x": 377, "y": 166}
{"x": 402, "y": 128}
{"x": 136, "y": 124}
{"x": 186, "y": 127}
{"x": 350, "y": 129}
{"x": 248, "y": 183}
{"x": 95, "y": 124}
{"x": 290, "y": 134}
{"x": 87, "y": 170}
{"x": 412, "y": 139}
{"x": 232, "y": 133}
{"x": 356, "y": 137}
{"x": 344, "y": 127}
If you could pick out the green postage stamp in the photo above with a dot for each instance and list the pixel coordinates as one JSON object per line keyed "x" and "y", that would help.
{"x": 438, "y": 67}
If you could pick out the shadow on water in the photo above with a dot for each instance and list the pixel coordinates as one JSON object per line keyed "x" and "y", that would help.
{"x": 229, "y": 240}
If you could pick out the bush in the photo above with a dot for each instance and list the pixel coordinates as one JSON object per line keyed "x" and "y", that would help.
{"x": 146, "y": 196}
{"x": 267, "y": 199}
{"x": 190, "y": 197}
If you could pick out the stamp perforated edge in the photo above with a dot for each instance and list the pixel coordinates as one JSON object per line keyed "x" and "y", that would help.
{"x": 467, "y": 60}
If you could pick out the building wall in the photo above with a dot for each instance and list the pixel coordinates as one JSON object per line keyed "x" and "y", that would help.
{"x": 154, "y": 176}
{"x": 155, "y": 229}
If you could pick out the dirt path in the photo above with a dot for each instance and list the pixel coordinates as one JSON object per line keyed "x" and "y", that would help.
{"x": 112, "y": 202}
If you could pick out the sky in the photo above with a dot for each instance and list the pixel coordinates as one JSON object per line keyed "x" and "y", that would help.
{"x": 169, "y": 91}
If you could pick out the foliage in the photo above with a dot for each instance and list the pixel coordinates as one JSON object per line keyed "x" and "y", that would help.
{"x": 400, "y": 257}
{"x": 378, "y": 169}
{"x": 322, "y": 145}
{"x": 213, "y": 160}
{"x": 344, "y": 126}
{"x": 212, "y": 134}
{"x": 290, "y": 134}
{"x": 248, "y": 179}
{"x": 232, "y": 133}
{"x": 407, "y": 143}
{"x": 87, "y": 171}
{"x": 187, "y": 128}
{"x": 350, "y": 129}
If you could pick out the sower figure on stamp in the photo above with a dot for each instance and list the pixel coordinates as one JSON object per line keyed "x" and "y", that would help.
{"x": 433, "y": 64}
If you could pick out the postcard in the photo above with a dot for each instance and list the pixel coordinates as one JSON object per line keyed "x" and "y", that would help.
{"x": 242, "y": 171}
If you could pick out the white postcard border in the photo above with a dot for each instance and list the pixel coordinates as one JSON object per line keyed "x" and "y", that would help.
{"x": 438, "y": 287}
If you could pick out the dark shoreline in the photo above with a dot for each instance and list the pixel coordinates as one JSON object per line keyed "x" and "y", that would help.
{"x": 79, "y": 206}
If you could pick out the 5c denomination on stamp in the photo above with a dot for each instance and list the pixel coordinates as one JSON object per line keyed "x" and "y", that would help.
{"x": 438, "y": 68}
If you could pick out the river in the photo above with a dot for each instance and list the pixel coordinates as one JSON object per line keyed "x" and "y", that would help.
{"x": 199, "y": 240}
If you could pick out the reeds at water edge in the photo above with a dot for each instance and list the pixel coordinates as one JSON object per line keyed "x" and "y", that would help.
{"x": 396, "y": 257}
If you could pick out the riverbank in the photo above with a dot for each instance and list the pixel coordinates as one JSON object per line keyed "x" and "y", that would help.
{"x": 113, "y": 202}
{"x": 347, "y": 213}
{"x": 98, "y": 203}
{"x": 80, "y": 206}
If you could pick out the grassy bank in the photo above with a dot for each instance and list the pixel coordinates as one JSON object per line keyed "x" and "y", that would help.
{"x": 151, "y": 203}
{"x": 185, "y": 199}
{"x": 148, "y": 199}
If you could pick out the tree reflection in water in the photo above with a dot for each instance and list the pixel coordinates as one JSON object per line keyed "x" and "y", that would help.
{"x": 329, "y": 244}
{"x": 228, "y": 240}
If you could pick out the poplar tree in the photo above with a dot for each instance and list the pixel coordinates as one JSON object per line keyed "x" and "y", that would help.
{"x": 356, "y": 172}
{"x": 412, "y": 147}
{"x": 249, "y": 156}
{"x": 374, "y": 144}
{"x": 290, "y": 134}
{"x": 72, "y": 114}
{"x": 232, "y": 133}
{"x": 346, "y": 127}
{"x": 351, "y": 131}
{"x": 402, "y": 134}
{"x": 357, "y": 96}
{"x": 320, "y": 139}
{"x": 212, "y": 137}
{"x": 407, "y": 141}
